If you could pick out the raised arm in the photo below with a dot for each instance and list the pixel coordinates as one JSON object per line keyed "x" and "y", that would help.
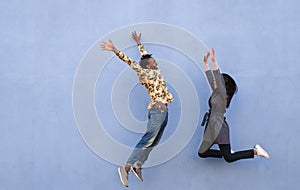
{"x": 205, "y": 61}
{"x": 213, "y": 59}
{"x": 208, "y": 73}
{"x": 217, "y": 74}
{"x": 137, "y": 39}
{"x": 215, "y": 80}
{"x": 110, "y": 47}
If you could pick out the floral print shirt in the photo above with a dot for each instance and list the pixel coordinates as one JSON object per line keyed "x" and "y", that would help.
{"x": 152, "y": 79}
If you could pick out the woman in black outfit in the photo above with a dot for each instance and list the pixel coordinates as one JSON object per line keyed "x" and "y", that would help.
{"x": 216, "y": 128}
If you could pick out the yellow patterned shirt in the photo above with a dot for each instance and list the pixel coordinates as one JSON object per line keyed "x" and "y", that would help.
{"x": 152, "y": 79}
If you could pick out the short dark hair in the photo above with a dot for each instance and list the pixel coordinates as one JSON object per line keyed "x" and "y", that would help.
{"x": 231, "y": 87}
{"x": 144, "y": 60}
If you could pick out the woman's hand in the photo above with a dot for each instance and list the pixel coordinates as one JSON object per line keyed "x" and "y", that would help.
{"x": 205, "y": 58}
{"x": 213, "y": 59}
{"x": 212, "y": 55}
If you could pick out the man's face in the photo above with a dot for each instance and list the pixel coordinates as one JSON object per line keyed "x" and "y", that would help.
{"x": 151, "y": 64}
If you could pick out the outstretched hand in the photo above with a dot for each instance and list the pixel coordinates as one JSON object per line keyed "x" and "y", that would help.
{"x": 107, "y": 46}
{"x": 212, "y": 55}
{"x": 137, "y": 38}
{"x": 205, "y": 58}
{"x": 213, "y": 59}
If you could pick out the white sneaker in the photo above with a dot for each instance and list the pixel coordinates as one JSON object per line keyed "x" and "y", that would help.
{"x": 123, "y": 176}
{"x": 137, "y": 172}
{"x": 260, "y": 151}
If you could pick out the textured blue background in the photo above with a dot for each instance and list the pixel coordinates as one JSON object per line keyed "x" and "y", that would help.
{"x": 42, "y": 43}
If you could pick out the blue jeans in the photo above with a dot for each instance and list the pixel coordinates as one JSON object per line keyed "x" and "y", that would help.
{"x": 157, "y": 121}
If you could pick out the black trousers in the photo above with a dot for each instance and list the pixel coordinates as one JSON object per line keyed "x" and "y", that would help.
{"x": 225, "y": 151}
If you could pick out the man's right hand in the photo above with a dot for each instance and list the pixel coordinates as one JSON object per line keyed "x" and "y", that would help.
{"x": 108, "y": 46}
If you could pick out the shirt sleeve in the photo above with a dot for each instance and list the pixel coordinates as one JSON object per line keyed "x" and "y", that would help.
{"x": 133, "y": 64}
{"x": 142, "y": 49}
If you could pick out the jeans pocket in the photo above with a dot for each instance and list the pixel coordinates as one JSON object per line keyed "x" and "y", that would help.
{"x": 157, "y": 117}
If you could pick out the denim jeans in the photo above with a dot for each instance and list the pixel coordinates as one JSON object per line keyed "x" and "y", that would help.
{"x": 157, "y": 121}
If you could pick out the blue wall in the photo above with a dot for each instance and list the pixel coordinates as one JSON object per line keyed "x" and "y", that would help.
{"x": 42, "y": 45}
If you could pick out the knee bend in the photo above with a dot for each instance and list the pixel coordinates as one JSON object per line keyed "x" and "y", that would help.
{"x": 228, "y": 159}
{"x": 202, "y": 155}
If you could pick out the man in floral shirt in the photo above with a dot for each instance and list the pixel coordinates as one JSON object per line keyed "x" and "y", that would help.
{"x": 149, "y": 76}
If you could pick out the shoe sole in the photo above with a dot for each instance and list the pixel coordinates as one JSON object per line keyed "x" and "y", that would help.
{"x": 265, "y": 154}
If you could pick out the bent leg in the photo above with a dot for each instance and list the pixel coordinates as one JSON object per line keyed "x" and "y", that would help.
{"x": 210, "y": 153}
{"x": 225, "y": 150}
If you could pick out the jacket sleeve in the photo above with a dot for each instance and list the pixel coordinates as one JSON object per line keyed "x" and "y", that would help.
{"x": 210, "y": 78}
{"x": 220, "y": 82}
